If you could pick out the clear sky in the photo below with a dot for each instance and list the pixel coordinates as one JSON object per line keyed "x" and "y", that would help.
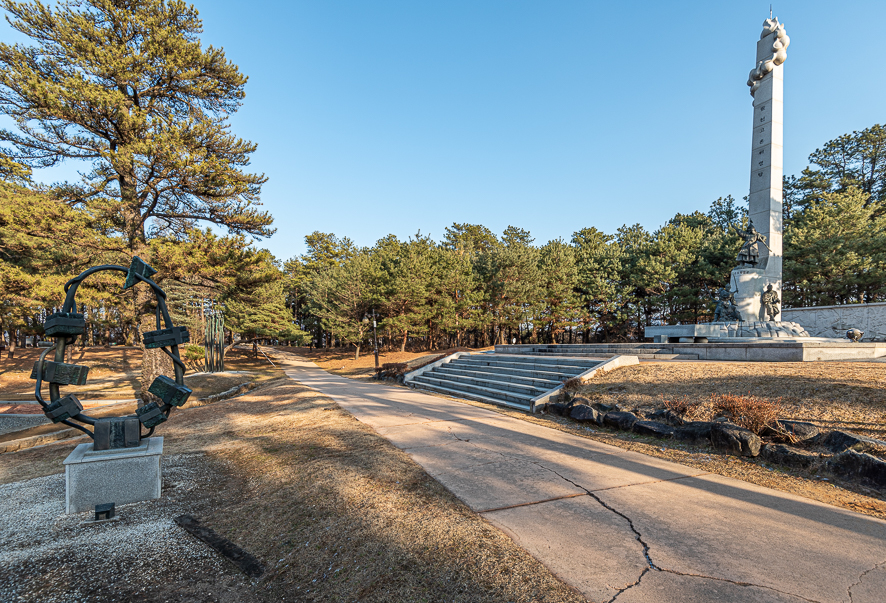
{"x": 398, "y": 116}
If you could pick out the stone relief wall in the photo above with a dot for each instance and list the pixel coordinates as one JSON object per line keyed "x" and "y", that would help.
{"x": 834, "y": 321}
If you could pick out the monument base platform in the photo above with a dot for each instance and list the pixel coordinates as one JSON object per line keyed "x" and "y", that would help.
{"x": 119, "y": 476}
{"x": 726, "y": 330}
{"x": 742, "y": 349}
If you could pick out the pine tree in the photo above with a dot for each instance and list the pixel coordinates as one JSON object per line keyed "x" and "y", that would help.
{"x": 128, "y": 88}
{"x": 835, "y": 252}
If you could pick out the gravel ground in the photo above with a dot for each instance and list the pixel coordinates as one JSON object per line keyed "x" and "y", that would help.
{"x": 49, "y": 557}
{"x": 10, "y": 423}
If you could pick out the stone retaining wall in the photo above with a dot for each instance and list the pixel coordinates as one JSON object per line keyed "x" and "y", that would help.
{"x": 834, "y": 321}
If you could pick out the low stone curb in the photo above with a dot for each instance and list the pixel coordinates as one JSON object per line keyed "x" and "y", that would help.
{"x": 228, "y": 393}
{"x": 38, "y": 440}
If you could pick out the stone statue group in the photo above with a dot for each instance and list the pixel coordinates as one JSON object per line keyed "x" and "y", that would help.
{"x": 748, "y": 255}
{"x": 727, "y": 311}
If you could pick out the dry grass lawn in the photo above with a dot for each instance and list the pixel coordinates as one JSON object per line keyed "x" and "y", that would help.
{"x": 833, "y": 395}
{"x": 335, "y": 512}
{"x": 114, "y": 373}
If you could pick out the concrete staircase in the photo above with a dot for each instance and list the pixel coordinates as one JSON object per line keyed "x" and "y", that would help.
{"x": 514, "y": 380}
{"x": 643, "y": 351}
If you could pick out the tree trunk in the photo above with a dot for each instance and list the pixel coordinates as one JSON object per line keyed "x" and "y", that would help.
{"x": 13, "y": 335}
{"x": 403, "y": 344}
{"x": 356, "y": 352}
{"x": 154, "y": 361}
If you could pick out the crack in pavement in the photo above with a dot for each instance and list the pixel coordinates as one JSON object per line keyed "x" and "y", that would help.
{"x": 860, "y": 578}
{"x": 646, "y": 552}
{"x": 629, "y": 586}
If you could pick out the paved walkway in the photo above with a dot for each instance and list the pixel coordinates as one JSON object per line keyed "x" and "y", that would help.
{"x": 619, "y": 525}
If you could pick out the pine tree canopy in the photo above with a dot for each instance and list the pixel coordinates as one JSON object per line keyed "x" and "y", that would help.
{"x": 125, "y": 86}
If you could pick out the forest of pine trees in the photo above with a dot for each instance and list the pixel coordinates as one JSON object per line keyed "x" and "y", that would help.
{"x": 148, "y": 108}
{"x": 473, "y": 287}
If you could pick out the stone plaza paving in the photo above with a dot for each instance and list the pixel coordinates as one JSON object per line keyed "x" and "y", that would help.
{"x": 619, "y": 525}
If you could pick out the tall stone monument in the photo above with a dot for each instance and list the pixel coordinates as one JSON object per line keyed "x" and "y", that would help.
{"x": 766, "y": 81}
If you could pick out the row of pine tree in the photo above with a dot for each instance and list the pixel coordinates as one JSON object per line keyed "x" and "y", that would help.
{"x": 129, "y": 91}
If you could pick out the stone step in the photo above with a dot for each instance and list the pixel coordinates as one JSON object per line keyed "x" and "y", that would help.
{"x": 565, "y": 372}
{"x": 489, "y": 392}
{"x": 567, "y": 360}
{"x": 518, "y": 349}
{"x": 458, "y": 393}
{"x": 666, "y": 355}
{"x": 491, "y": 381}
{"x": 538, "y": 364}
{"x": 552, "y": 376}
{"x": 548, "y": 381}
{"x": 593, "y": 350}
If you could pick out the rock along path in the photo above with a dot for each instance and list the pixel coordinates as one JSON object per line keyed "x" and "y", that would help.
{"x": 619, "y": 525}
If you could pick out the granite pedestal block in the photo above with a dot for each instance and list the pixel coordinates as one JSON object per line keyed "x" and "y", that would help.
{"x": 120, "y": 476}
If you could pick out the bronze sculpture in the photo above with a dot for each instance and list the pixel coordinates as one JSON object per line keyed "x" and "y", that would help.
{"x": 854, "y": 335}
{"x": 749, "y": 254}
{"x": 726, "y": 309}
{"x": 67, "y": 325}
{"x": 770, "y": 303}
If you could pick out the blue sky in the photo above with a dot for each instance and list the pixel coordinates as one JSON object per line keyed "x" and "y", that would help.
{"x": 399, "y": 116}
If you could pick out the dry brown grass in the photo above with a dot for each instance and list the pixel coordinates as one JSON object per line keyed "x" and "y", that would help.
{"x": 750, "y": 412}
{"x": 114, "y": 373}
{"x": 335, "y": 512}
{"x": 834, "y": 395}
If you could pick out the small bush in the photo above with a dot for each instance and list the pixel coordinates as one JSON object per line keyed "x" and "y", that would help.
{"x": 681, "y": 406}
{"x": 391, "y": 370}
{"x": 194, "y": 353}
{"x": 572, "y": 385}
{"x": 750, "y": 412}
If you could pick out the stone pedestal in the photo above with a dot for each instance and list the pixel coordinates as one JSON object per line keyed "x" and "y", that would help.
{"x": 120, "y": 475}
{"x": 749, "y": 284}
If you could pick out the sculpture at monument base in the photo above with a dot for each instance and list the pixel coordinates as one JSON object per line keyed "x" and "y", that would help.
{"x": 770, "y": 303}
{"x": 854, "y": 335}
{"x": 726, "y": 309}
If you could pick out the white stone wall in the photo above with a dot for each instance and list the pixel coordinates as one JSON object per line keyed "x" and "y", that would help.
{"x": 834, "y": 321}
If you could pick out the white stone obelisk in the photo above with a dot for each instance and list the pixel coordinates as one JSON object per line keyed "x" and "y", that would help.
{"x": 765, "y": 200}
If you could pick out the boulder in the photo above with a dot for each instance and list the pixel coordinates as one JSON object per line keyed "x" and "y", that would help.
{"x": 653, "y": 428}
{"x": 780, "y": 454}
{"x": 557, "y": 408}
{"x": 729, "y": 437}
{"x": 584, "y": 414}
{"x": 577, "y": 400}
{"x": 666, "y": 415}
{"x": 840, "y": 441}
{"x": 620, "y": 420}
{"x": 859, "y": 464}
{"x": 605, "y": 407}
{"x": 696, "y": 432}
{"x": 799, "y": 431}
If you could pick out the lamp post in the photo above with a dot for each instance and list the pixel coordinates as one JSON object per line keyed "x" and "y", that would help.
{"x": 374, "y": 334}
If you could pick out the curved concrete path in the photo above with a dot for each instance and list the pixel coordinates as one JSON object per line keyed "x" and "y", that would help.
{"x": 619, "y": 525}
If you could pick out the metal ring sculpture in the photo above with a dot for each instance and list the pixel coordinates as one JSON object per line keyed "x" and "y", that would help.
{"x": 67, "y": 325}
